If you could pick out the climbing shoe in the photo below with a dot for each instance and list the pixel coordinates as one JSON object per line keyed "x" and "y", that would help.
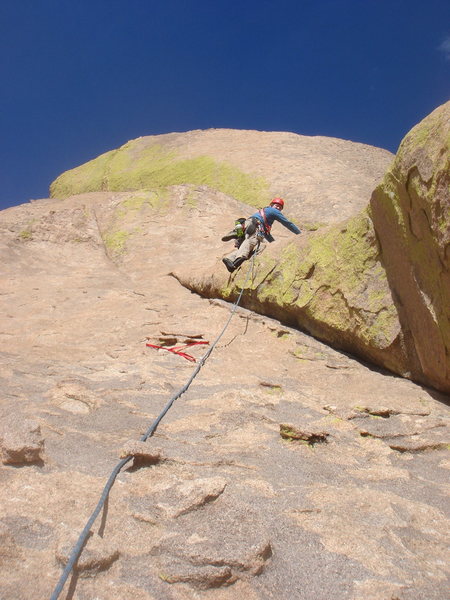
{"x": 230, "y": 236}
{"x": 229, "y": 264}
{"x": 238, "y": 262}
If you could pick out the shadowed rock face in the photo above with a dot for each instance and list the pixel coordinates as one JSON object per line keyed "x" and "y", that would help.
{"x": 287, "y": 470}
{"x": 411, "y": 214}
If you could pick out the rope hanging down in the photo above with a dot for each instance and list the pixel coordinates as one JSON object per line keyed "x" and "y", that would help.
{"x": 78, "y": 548}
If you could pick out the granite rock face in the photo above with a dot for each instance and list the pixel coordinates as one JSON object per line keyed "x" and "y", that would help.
{"x": 323, "y": 180}
{"x": 411, "y": 214}
{"x": 377, "y": 284}
{"x": 351, "y": 502}
{"x": 330, "y": 283}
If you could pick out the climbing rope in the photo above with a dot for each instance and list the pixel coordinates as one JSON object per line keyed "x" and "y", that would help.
{"x": 78, "y": 548}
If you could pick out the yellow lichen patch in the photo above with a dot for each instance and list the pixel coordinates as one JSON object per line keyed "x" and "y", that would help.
{"x": 115, "y": 241}
{"x": 121, "y": 225}
{"x": 152, "y": 199}
{"x": 89, "y": 177}
{"x": 336, "y": 279}
{"x": 25, "y": 235}
{"x": 136, "y": 166}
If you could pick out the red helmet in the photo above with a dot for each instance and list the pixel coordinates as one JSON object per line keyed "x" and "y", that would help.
{"x": 279, "y": 201}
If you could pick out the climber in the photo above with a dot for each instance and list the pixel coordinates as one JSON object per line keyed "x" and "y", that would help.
{"x": 256, "y": 228}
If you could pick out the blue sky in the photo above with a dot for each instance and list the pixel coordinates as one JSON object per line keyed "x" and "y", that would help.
{"x": 82, "y": 77}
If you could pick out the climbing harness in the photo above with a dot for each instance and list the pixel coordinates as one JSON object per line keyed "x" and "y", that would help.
{"x": 178, "y": 349}
{"x": 265, "y": 225}
{"x": 78, "y": 548}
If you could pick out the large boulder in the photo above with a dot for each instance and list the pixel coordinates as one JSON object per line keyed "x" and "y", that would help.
{"x": 376, "y": 285}
{"x": 411, "y": 214}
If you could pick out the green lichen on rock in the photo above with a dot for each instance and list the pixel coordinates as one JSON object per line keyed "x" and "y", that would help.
{"x": 333, "y": 285}
{"x": 154, "y": 200}
{"x": 311, "y": 226}
{"x": 89, "y": 177}
{"x": 123, "y": 221}
{"x": 26, "y": 235}
{"x": 115, "y": 241}
{"x": 137, "y": 165}
{"x": 347, "y": 286}
{"x": 258, "y": 274}
{"x": 307, "y": 354}
{"x": 427, "y": 138}
{"x": 337, "y": 279}
{"x": 411, "y": 213}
